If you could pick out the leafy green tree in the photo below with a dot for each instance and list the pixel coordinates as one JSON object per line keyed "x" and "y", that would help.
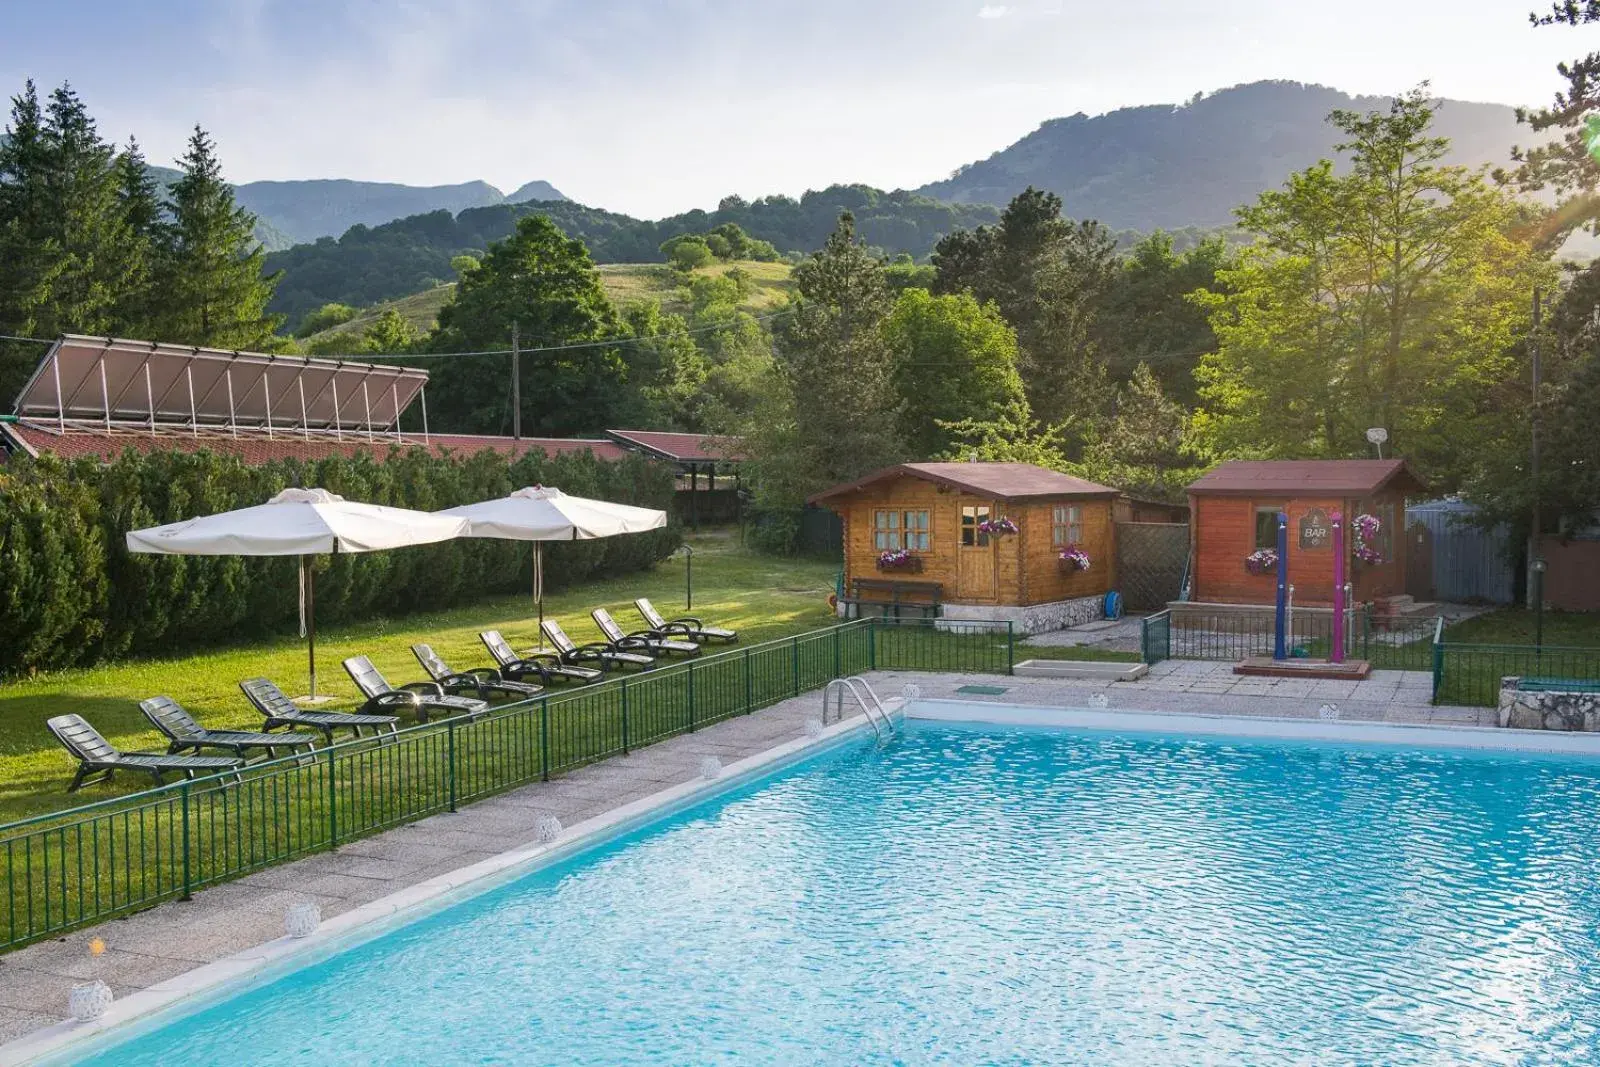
{"x": 831, "y": 411}
{"x": 686, "y": 252}
{"x": 544, "y": 282}
{"x": 1145, "y": 315}
{"x": 1146, "y": 449}
{"x": 1012, "y": 436}
{"x": 1046, "y": 274}
{"x": 955, "y": 359}
{"x": 325, "y": 317}
{"x": 1389, "y": 296}
{"x": 463, "y": 265}
{"x": 213, "y": 290}
{"x": 389, "y": 332}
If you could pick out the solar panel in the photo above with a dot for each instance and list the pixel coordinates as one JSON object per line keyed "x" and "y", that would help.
{"x": 120, "y": 381}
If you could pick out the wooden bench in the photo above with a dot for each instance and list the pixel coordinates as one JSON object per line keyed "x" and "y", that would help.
{"x": 892, "y": 596}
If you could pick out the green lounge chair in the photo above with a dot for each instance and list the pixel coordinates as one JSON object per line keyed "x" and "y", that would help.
{"x": 183, "y": 732}
{"x": 419, "y": 697}
{"x": 655, "y": 642}
{"x": 279, "y": 710}
{"x": 485, "y": 683}
{"x": 96, "y": 755}
{"x": 547, "y": 665}
{"x": 603, "y": 652}
{"x": 686, "y": 625}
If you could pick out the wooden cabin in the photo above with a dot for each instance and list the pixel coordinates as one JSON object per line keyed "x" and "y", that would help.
{"x": 1235, "y": 512}
{"x": 938, "y": 516}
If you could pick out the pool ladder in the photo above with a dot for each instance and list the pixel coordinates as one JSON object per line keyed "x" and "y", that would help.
{"x": 878, "y": 716}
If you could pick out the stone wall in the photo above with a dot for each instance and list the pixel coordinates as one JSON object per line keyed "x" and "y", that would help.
{"x": 1033, "y": 618}
{"x": 1522, "y": 710}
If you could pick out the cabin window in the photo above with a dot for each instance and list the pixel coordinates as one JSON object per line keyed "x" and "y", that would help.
{"x": 1066, "y": 525}
{"x": 1267, "y": 525}
{"x": 971, "y": 515}
{"x": 894, "y": 530}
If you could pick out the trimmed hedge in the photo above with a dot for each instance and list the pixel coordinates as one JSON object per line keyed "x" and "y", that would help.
{"x": 71, "y": 594}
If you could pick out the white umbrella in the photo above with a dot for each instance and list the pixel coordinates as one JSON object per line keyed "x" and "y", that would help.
{"x": 538, "y": 514}
{"x": 299, "y": 522}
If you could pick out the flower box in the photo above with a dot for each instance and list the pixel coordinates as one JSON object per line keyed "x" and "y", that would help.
{"x": 997, "y": 527}
{"x": 1073, "y": 559}
{"x": 1262, "y": 561}
{"x": 902, "y": 560}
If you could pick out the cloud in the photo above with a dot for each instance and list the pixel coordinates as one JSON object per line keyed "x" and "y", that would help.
{"x": 993, "y": 11}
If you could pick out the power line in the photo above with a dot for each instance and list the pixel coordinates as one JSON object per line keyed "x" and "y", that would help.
{"x": 35, "y": 340}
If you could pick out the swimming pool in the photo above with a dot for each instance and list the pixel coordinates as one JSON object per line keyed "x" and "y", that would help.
{"x": 983, "y": 893}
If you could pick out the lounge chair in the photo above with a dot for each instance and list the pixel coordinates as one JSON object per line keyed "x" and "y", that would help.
{"x": 656, "y": 642}
{"x": 183, "y": 732}
{"x": 419, "y": 697}
{"x": 96, "y": 755}
{"x": 546, "y": 665}
{"x": 279, "y": 710}
{"x": 485, "y": 683}
{"x": 686, "y": 625}
{"x": 605, "y": 652}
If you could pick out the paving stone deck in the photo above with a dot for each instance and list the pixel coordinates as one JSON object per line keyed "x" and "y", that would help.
{"x": 175, "y": 937}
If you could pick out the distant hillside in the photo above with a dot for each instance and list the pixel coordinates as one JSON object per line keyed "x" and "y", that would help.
{"x": 624, "y": 282}
{"x": 1191, "y": 164}
{"x": 372, "y": 264}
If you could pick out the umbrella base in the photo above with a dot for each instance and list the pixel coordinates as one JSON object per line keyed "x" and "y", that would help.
{"x": 311, "y": 701}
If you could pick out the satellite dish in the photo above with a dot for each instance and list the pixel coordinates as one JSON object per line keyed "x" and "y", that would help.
{"x": 1377, "y": 435}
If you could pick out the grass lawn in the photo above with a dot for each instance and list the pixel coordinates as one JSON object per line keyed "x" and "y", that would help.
{"x": 760, "y": 596}
{"x": 1515, "y": 626}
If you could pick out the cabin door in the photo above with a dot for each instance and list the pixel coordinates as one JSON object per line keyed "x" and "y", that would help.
{"x": 975, "y": 555}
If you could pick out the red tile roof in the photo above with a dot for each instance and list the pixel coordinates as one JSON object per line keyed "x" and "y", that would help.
{"x": 256, "y": 447}
{"x": 687, "y": 447}
{"x": 1002, "y": 481}
{"x": 1303, "y": 476}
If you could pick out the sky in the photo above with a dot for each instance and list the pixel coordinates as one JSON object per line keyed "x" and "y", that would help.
{"x": 652, "y": 107}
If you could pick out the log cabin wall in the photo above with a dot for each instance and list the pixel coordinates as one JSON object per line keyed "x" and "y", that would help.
{"x": 1224, "y": 533}
{"x": 1025, "y": 566}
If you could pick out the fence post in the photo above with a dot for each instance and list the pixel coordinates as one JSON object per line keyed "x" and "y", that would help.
{"x": 872, "y": 643}
{"x": 333, "y": 806}
{"x": 749, "y": 688}
{"x": 690, "y": 672}
{"x": 622, "y": 686}
{"x": 1438, "y": 659}
{"x": 187, "y": 874}
{"x": 838, "y": 663}
{"x": 450, "y": 769}
{"x": 544, "y": 739}
{"x": 794, "y": 656}
{"x": 1011, "y": 647}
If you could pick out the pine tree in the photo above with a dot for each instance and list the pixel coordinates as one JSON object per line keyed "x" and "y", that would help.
{"x": 85, "y": 219}
{"x": 210, "y": 283}
{"x": 29, "y": 254}
{"x": 143, "y": 230}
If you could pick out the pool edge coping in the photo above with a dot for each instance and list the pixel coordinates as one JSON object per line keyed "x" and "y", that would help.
{"x": 372, "y": 919}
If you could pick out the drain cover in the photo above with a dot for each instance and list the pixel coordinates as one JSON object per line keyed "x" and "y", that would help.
{"x": 983, "y": 690}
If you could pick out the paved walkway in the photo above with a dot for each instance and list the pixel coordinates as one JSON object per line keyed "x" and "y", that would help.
{"x": 176, "y": 937}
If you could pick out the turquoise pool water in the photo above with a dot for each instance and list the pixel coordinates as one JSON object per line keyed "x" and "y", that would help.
{"x": 1005, "y": 895}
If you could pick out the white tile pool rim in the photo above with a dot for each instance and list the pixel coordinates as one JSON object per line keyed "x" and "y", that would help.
{"x": 181, "y": 995}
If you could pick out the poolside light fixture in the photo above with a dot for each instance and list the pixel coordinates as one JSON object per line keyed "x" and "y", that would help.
{"x": 89, "y": 1000}
{"x": 1099, "y": 700}
{"x": 911, "y": 691}
{"x": 710, "y": 767}
{"x": 548, "y": 828}
{"x": 814, "y": 727}
{"x": 1328, "y": 712}
{"x": 302, "y": 919}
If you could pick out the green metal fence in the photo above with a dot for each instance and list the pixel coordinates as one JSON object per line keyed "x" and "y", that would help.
{"x": 1470, "y": 674}
{"x": 72, "y": 868}
{"x": 1388, "y": 644}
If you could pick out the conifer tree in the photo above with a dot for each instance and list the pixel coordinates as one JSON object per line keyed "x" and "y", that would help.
{"x": 139, "y": 202}
{"x": 28, "y": 253}
{"x": 84, "y": 218}
{"x": 213, "y": 292}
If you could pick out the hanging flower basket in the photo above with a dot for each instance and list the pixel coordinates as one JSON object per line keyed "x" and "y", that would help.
{"x": 1073, "y": 558}
{"x": 900, "y": 560}
{"x": 1367, "y": 528}
{"x": 997, "y": 527}
{"x": 1262, "y": 561}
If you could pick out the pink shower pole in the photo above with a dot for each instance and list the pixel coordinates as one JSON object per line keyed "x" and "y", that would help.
{"x": 1338, "y": 588}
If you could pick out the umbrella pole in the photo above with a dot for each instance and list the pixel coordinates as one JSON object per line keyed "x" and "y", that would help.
{"x": 538, "y": 585}
{"x": 308, "y": 578}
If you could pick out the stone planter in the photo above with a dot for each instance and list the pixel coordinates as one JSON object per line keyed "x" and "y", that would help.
{"x": 1547, "y": 709}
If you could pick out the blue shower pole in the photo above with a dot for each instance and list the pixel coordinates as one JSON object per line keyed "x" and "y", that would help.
{"x": 1279, "y": 644}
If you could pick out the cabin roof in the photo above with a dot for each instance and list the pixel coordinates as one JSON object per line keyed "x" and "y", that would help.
{"x": 1002, "y": 481}
{"x": 1304, "y": 477}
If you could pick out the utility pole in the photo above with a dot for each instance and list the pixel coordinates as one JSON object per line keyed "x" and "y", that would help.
{"x": 516, "y": 384}
{"x": 1535, "y": 557}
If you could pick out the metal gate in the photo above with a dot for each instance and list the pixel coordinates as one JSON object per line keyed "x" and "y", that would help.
{"x": 1151, "y": 557}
